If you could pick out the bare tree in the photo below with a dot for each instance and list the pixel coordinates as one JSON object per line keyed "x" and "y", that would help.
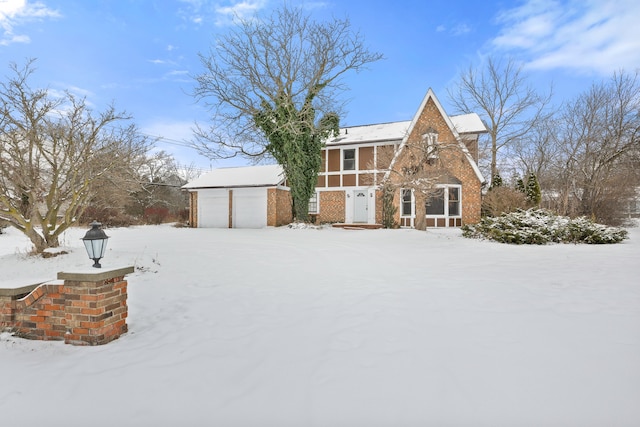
{"x": 160, "y": 182}
{"x": 53, "y": 151}
{"x": 271, "y": 86}
{"x": 500, "y": 94}
{"x": 537, "y": 151}
{"x": 599, "y": 139}
{"x": 419, "y": 166}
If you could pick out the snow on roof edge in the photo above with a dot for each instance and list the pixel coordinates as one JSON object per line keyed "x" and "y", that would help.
{"x": 239, "y": 176}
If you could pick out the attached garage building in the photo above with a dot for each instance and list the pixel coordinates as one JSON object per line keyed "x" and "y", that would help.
{"x": 243, "y": 197}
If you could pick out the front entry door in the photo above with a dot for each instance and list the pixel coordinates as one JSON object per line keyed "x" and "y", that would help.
{"x": 360, "y": 205}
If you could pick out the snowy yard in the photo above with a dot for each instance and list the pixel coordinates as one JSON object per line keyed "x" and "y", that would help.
{"x": 284, "y": 327}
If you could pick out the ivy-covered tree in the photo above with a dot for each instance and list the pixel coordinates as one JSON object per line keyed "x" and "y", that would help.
{"x": 271, "y": 85}
{"x": 388, "y": 208}
{"x": 296, "y": 147}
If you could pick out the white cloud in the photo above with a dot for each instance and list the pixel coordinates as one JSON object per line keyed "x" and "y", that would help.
{"x": 457, "y": 29}
{"x": 14, "y": 13}
{"x": 460, "y": 29}
{"x": 221, "y": 13}
{"x": 178, "y": 131}
{"x": 238, "y": 9}
{"x": 591, "y": 36}
{"x": 178, "y": 73}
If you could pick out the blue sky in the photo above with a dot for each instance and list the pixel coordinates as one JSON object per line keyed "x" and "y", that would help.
{"x": 141, "y": 54}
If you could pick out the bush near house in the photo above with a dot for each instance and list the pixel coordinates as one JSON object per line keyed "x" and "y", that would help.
{"x": 539, "y": 227}
{"x": 107, "y": 216}
{"x": 156, "y": 215}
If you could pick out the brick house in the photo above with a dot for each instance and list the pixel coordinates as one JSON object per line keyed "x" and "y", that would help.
{"x": 354, "y": 165}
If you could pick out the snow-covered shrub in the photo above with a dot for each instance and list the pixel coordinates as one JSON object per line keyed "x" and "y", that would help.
{"x": 538, "y": 227}
{"x": 582, "y": 230}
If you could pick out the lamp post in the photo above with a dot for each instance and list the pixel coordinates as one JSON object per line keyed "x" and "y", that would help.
{"x": 95, "y": 241}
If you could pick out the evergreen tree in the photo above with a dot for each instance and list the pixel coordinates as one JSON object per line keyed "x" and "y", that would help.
{"x": 496, "y": 181}
{"x": 388, "y": 208}
{"x": 532, "y": 189}
{"x": 520, "y": 185}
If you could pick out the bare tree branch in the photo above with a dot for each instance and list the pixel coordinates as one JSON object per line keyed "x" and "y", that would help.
{"x": 52, "y": 153}
{"x": 500, "y": 94}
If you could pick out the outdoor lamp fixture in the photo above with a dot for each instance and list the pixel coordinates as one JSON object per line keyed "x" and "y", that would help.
{"x": 95, "y": 241}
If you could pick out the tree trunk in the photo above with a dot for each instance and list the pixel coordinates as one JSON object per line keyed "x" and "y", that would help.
{"x": 420, "y": 221}
{"x": 39, "y": 243}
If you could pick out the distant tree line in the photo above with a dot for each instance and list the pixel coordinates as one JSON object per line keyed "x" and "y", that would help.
{"x": 583, "y": 154}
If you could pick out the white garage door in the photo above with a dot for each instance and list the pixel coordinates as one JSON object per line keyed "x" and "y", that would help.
{"x": 249, "y": 207}
{"x": 213, "y": 208}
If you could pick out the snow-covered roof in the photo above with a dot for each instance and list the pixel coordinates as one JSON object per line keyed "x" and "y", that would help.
{"x": 395, "y": 131}
{"x": 468, "y": 123}
{"x": 371, "y": 133}
{"x": 250, "y": 176}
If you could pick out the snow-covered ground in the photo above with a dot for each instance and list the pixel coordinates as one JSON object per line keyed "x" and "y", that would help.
{"x": 301, "y": 327}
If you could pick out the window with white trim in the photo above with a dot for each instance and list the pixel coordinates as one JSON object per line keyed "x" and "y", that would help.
{"x": 430, "y": 138}
{"x": 444, "y": 201}
{"x": 435, "y": 202}
{"x": 313, "y": 203}
{"x": 349, "y": 159}
{"x": 406, "y": 204}
{"x": 454, "y": 201}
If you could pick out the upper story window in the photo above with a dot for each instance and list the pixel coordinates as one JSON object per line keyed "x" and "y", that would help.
{"x": 430, "y": 139}
{"x": 349, "y": 159}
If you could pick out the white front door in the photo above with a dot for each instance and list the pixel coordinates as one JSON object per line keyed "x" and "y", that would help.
{"x": 360, "y": 206}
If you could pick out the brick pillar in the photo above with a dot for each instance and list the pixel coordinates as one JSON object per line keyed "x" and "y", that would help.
{"x": 6, "y": 311}
{"x": 95, "y": 305}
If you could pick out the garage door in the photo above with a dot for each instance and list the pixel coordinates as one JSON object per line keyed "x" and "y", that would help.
{"x": 249, "y": 207}
{"x": 213, "y": 208}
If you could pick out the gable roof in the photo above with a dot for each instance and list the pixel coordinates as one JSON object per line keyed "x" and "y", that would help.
{"x": 466, "y": 122}
{"x": 250, "y": 176}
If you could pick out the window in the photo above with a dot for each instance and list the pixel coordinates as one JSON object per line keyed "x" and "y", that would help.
{"x": 445, "y": 201}
{"x": 313, "y": 204}
{"x": 430, "y": 138}
{"x": 454, "y": 201}
{"x": 406, "y": 203}
{"x": 435, "y": 203}
{"x": 349, "y": 159}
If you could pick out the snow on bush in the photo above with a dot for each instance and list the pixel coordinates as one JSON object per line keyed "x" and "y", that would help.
{"x": 539, "y": 227}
